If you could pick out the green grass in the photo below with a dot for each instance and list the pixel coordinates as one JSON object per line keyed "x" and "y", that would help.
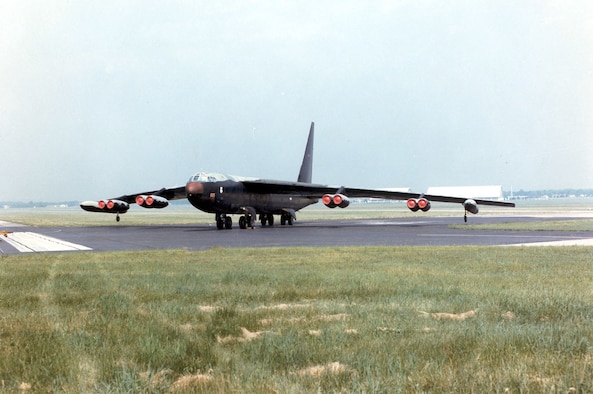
{"x": 314, "y": 320}
{"x": 540, "y": 225}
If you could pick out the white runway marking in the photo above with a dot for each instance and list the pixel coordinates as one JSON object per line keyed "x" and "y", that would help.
{"x": 566, "y": 242}
{"x": 28, "y": 242}
{"x": 10, "y": 224}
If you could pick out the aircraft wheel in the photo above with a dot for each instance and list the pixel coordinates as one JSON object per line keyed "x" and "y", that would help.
{"x": 117, "y": 218}
{"x": 282, "y": 220}
{"x": 242, "y": 223}
{"x": 290, "y": 220}
{"x": 220, "y": 224}
{"x": 228, "y": 223}
{"x": 267, "y": 218}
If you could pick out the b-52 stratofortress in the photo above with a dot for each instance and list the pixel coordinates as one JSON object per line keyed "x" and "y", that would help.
{"x": 225, "y": 195}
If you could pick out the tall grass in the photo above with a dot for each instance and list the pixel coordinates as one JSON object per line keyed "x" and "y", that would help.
{"x": 374, "y": 319}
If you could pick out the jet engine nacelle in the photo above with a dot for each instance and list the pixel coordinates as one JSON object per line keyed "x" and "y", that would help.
{"x": 335, "y": 200}
{"x": 114, "y": 206}
{"x": 471, "y": 206}
{"x": 152, "y": 201}
{"x": 109, "y": 206}
{"x": 420, "y": 204}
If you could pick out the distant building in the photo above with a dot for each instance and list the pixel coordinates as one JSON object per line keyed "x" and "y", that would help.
{"x": 481, "y": 192}
{"x": 396, "y": 189}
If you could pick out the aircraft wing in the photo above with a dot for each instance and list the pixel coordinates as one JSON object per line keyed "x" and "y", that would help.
{"x": 393, "y": 195}
{"x": 150, "y": 199}
{"x": 318, "y": 191}
{"x": 175, "y": 193}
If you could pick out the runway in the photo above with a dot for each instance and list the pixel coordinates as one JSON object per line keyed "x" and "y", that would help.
{"x": 433, "y": 231}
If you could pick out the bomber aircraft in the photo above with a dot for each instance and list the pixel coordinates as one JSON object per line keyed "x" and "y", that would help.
{"x": 225, "y": 195}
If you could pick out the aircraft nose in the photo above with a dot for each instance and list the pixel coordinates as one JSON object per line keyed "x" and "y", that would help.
{"x": 193, "y": 188}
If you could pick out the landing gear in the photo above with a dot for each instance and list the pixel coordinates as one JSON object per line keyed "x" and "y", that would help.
{"x": 266, "y": 218}
{"x": 465, "y": 217}
{"x": 117, "y": 218}
{"x": 245, "y": 221}
{"x": 248, "y": 220}
{"x": 286, "y": 219}
{"x": 223, "y": 222}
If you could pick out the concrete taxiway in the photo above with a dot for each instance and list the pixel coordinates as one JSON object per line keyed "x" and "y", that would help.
{"x": 364, "y": 232}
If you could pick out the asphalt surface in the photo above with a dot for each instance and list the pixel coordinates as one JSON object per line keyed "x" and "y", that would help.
{"x": 365, "y": 232}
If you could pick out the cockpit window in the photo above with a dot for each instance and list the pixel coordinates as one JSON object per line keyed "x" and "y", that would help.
{"x": 208, "y": 177}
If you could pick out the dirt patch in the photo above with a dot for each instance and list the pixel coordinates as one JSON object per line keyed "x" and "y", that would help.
{"x": 186, "y": 382}
{"x": 283, "y": 307}
{"x": 449, "y": 316}
{"x": 265, "y": 322}
{"x": 428, "y": 330}
{"x": 334, "y": 368}
{"x": 388, "y": 329}
{"x": 88, "y": 372}
{"x": 339, "y": 316}
{"x": 189, "y": 328}
{"x": 246, "y": 336}
{"x": 508, "y": 315}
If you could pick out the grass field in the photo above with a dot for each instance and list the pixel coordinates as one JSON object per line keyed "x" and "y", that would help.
{"x": 548, "y": 225}
{"x": 377, "y": 319}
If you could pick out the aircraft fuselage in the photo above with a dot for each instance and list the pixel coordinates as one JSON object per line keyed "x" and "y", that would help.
{"x": 231, "y": 197}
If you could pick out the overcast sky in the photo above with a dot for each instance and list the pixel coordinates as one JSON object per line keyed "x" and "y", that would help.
{"x": 98, "y": 99}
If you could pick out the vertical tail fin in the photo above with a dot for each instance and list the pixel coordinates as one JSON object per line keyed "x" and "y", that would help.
{"x": 305, "y": 175}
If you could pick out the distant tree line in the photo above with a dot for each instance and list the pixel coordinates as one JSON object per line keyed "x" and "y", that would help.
{"x": 36, "y": 204}
{"x": 551, "y": 193}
